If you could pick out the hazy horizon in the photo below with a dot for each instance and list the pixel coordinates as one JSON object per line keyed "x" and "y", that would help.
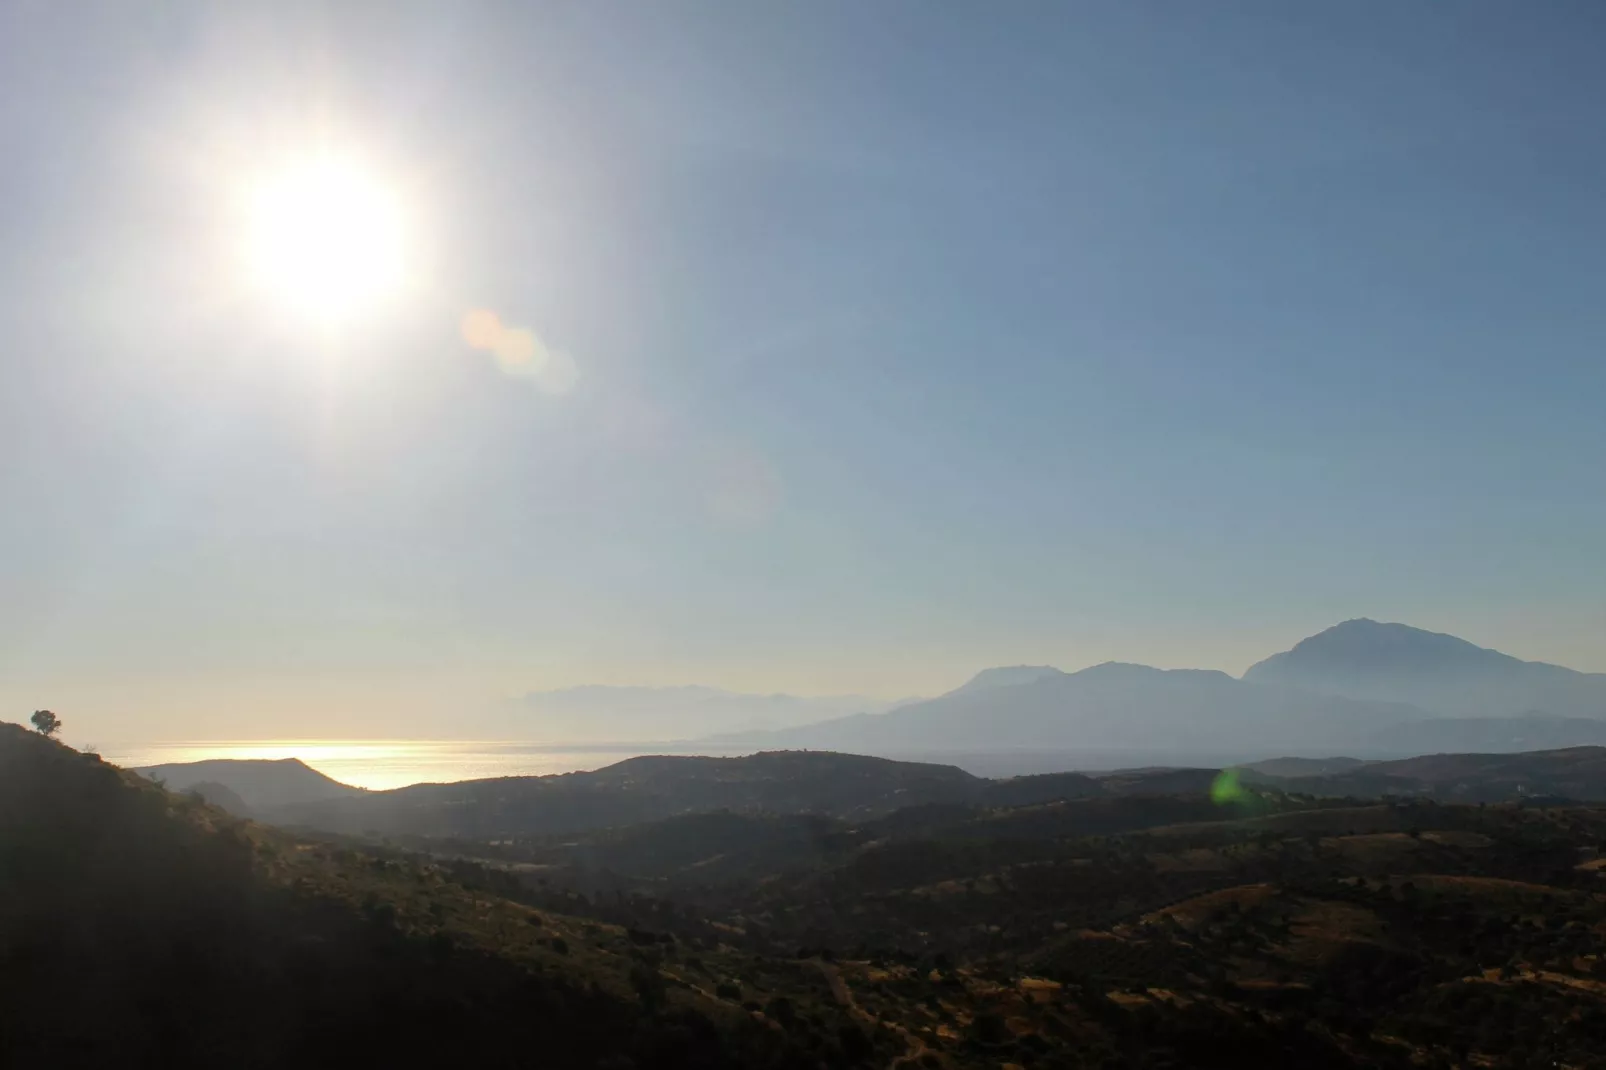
{"x": 365, "y": 367}
{"x": 384, "y": 764}
{"x": 700, "y": 719}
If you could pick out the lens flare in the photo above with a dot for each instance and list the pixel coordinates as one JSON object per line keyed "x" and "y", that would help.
{"x": 519, "y": 352}
{"x": 1227, "y": 788}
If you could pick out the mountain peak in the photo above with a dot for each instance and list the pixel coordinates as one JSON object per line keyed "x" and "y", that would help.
{"x": 1009, "y": 676}
{"x": 1364, "y": 643}
{"x": 1368, "y": 659}
{"x": 1131, "y": 671}
{"x": 1120, "y": 668}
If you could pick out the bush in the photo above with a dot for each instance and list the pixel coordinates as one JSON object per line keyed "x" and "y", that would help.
{"x": 989, "y": 1028}
{"x": 781, "y": 1009}
{"x": 855, "y": 1044}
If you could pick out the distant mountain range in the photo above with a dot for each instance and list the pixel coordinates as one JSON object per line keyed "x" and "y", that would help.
{"x": 600, "y": 714}
{"x": 1358, "y": 687}
{"x": 1450, "y": 677}
{"x": 1009, "y": 676}
{"x": 1364, "y": 687}
{"x": 1361, "y": 688}
{"x": 1112, "y": 706}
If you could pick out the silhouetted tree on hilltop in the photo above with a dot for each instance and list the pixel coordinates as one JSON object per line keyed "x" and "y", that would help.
{"x": 46, "y": 722}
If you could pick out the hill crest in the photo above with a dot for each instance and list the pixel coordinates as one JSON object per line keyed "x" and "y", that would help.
{"x": 260, "y": 783}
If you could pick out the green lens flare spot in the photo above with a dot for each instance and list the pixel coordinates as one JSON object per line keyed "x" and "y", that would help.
{"x": 1226, "y": 789}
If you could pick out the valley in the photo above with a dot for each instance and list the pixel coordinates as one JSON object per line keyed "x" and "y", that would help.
{"x": 794, "y": 909}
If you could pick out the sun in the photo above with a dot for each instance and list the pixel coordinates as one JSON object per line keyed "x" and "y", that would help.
{"x": 325, "y": 239}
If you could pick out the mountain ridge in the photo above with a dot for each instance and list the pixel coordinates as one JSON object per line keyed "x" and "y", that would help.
{"x": 1008, "y": 676}
{"x": 578, "y": 714}
{"x": 1386, "y": 689}
{"x": 1444, "y": 674}
{"x": 1111, "y": 705}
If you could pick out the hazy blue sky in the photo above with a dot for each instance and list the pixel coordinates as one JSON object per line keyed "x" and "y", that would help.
{"x": 910, "y": 338}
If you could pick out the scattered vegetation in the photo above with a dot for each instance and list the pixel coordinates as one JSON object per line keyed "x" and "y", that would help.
{"x": 1181, "y": 928}
{"x": 1152, "y": 931}
{"x": 140, "y": 927}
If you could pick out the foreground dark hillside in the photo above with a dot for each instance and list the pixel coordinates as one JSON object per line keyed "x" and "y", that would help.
{"x": 1148, "y": 931}
{"x": 142, "y": 928}
{"x": 1154, "y": 919}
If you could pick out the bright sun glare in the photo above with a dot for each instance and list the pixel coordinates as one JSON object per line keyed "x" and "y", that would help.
{"x": 325, "y": 239}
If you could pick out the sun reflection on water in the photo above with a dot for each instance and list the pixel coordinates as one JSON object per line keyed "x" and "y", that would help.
{"x": 391, "y": 763}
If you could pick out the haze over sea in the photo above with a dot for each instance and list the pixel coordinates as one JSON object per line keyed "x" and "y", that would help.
{"x": 394, "y": 763}
{"x": 380, "y": 764}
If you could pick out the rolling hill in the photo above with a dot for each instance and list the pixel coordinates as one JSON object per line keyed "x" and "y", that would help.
{"x": 1574, "y": 773}
{"x": 221, "y": 796}
{"x": 857, "y": 789}
{"x": 1146, "y": 930}
{"x": 259, "y": 783}
{"x": 845, "y": 786}
{"x": 1534, "y": 731}
{"x": 641, "y": 789}
{"x": 143, "y": 928}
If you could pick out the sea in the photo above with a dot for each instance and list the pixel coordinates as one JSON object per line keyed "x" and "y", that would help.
{"x": 379, "y": 764}
{"x": 395, "y": 763}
